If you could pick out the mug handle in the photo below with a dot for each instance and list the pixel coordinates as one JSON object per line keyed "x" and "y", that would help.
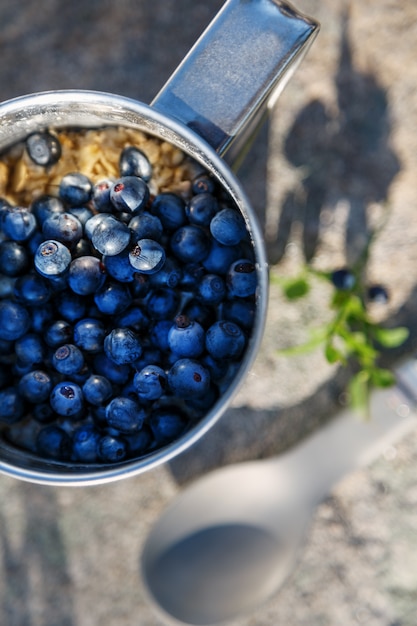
{"x": 234, "y": 73}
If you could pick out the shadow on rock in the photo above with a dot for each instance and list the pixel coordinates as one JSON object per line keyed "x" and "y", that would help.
{"x": 36, "y": 586}
{"x": 345, "y": 157}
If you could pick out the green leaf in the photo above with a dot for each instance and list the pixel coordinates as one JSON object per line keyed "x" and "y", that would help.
{"x": 333, "y": 355}
{"x": 296, "y": 288}
{"x": 391, "y": 337}
{"x": 359, "y": 392}
{"x": 381, "y": 377}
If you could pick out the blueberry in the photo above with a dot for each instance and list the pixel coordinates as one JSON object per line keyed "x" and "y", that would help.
{"x": 133, "y": 317}
{"x": 35, "y": 386}
{"x": 167, "y": 424}
{"x": 220, "y": 257}
{"x": 110, "y": 236}
{"x": 241, "y": 279}
{"x": 18, "y": 223}
{"x": 97, "y": 389}
{"x": 240, "y": 311}
{"x": 201, "y": 209}
{"x": 42, "y": 412}
{"x": 122, "y": 346}
{"x": 140, "y": 442}
{"x": 377, "y": 294}
{"x": 117, "y": 374}
{"x": 54, "y": 443}
{"x": 162, "y": 303}
{"x": 68, "y": 359}
{"x": 343, "y": 279}
{"x": 58, "y": 333}
{"x": 200, "y": 312}
{"x": 30, "y": 349}
{"x": 75, "y": 189}
{"x": 12, "y": 406}
{"x": 85, "y": 441}
{"x": 192, "y": 273}
{"x": 203, "y": 184}
{"x": 111, "y": 449}
{"x": 70, "y": 306}
{"x": 129, "y": 194}
{"x": 41, "y": 318}
{"x": 140, "y": 286}
{"x": 67, "y": 399}
{"x": 170, "y": 209}
{"x": 146, "y": 226}
{"x": 45, "y": 206}
{"x": 63, "y": 227}
{"x": 94, "y": 221}
{"x": 159, "y": 334}
{"x": 134, "y": 162}
{"x": 225, "y": 340}
{"x": 125, "y": 415}
{"x": 113, "y": 298}
{"x": 82, "y": 213}
{"x": 147, "y": 256}
{"x": 32, "y": 289}
{"x": 228, "y": 227}
{"x": 43, "y": 148}
{"x": 89, "y": 335}
{"x": 190, "y": 244}
{"x": 14, "y": 259}
{"x": 52, "y": 258}
{"x": 86, "y": 275}
{"x": 101, "y": 195}
{"x": 150, "y": 382}
{"x": 14, "y": 320}
{"x": 186, "y": 338}
{"x": 170, "y": 275}
{"x": 188, "y": 377}
{"x": 119, "y": 266}
{"x": 212, "y": 289}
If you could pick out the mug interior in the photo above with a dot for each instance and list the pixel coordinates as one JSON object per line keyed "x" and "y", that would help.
{"x": 86, "y": 109}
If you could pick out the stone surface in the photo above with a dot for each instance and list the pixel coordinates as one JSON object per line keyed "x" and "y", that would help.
{"x": 338, "y": 153}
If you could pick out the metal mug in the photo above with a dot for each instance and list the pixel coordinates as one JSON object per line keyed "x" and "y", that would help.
{"x": 209, "y": 108}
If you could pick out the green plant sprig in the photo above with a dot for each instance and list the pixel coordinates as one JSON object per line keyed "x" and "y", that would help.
{"x": 351, "y": 336}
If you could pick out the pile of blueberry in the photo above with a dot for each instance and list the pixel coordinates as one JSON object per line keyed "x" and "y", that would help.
{"x": 123, "y": 315}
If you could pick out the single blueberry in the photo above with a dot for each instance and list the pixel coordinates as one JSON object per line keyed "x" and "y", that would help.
{"x": 188, "y": 377}
{"x": 67, "y": 399}
{"x": 85, "y": 441}
{"x": 110, "y": 236}
{"x": 133, "y": 317}
{"x": 75, "y": 189}
{"x": 32, "y": 289}
{"x": 190, "y": 244}
{"x": 111, "y": 449}
{"x": 113, "y": 298}
{"x": 343, "y": 279}
{"x": 30, "y": 349}
{"x": 212, "y": 289}
{"x": 134, "y": 162}
{"x": 240, "y": 311}
{"x": 63, "y": 227}
{"x": 97, "y": 389}
{"x": 129, "y": 194}
{"x": 53, "y": 442}
{"x": 159, "y": 334}
{"x": 86, "y": 275}
{"x": 68, "y": 359}
{"x": 58, "y": 333}
{"x": 170, "y": 274}
{"x": 201, "y": 209}
{"x": 119, "y": 267}
{"x": 377, "y": 294}
{"x": 146, "y": 226}
{"x": 35, "y": 386}
{"x": 93, "y": 222}
{"x": 12, "y": 406}
{"x": 125, "y": 415}
{"x": 18, "y": 223}
{"x": 117, "y": 374}
{"x": 45, "y": 206}
{"x": 241, "y": 279}
{"x": 70, "y": 306}
{"x": 101, "y": 195}
{"x": 43, "y": 148}
{"x": 186, "y": 338}
{"x": 52, "y": 258}
{"x": 14, "y": 320}
{"x": 122, "y": 346}
{"x": 167, "y": 423}
{"x": 203, "y": 184}
{"x": 228, "y": 227}
{"x": 89, "y": 335}
{"x": 200, "y": 312}
{"x": 150, "y": 382}
{"x": 147, "y": 256}
{"x": 82, "y": 213}
{"x": 14, "y": 258}
{"x": 162, "y": 303}
{"x": 225, "y": 340}
{"x": 170, "y": 209}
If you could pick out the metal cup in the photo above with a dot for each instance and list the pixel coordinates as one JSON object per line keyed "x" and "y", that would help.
{"x": 210, "y": 109}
